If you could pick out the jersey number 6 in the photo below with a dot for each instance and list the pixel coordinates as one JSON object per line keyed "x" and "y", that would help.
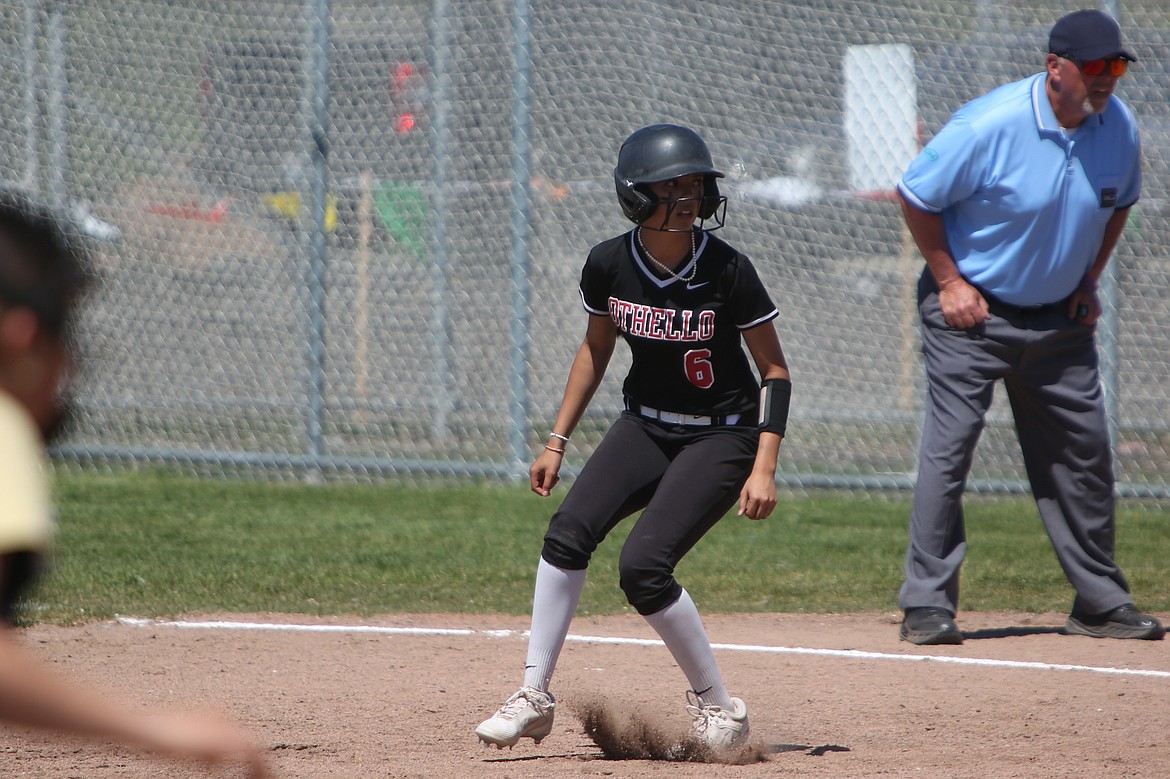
{"x": 699, "y": 370}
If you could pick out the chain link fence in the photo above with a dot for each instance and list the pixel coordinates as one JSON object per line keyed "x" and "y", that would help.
{"x": 343, "y": 239}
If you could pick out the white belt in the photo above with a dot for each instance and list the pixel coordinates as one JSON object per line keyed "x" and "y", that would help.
{"x": 674, "y": 418}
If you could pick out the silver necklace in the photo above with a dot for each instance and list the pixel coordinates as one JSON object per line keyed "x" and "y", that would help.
{"x": 664, "y": 268}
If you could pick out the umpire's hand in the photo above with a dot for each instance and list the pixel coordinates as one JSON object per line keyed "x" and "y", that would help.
{"x": 962, "y": 305}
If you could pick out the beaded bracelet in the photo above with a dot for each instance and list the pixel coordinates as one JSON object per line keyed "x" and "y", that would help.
{"x": 564, "y": 438}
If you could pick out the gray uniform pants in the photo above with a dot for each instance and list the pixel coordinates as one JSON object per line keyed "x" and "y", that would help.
{"x": 1048, "y": 364}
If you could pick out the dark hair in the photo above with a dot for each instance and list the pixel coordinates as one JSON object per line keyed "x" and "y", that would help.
{"x": 44, "y": 263}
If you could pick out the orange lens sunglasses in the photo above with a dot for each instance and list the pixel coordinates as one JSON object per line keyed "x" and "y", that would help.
{"x": 1114, "y": 67}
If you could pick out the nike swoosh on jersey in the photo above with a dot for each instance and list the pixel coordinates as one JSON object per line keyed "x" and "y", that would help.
{"x": 691, "y": 285}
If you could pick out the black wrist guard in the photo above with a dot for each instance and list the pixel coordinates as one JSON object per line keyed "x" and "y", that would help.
{"x": 775, "y": 395}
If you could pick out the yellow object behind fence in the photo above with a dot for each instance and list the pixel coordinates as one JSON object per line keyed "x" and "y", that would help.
{"x": 288, "y": 205}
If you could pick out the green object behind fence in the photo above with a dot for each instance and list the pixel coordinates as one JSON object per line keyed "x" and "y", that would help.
{"x": 403, "y": 211}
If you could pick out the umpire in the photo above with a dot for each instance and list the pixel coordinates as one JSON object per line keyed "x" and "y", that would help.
{"x": 1016, "y": 206}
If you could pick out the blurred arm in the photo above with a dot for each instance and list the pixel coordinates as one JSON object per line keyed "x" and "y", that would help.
{"x": 31, "y": 695}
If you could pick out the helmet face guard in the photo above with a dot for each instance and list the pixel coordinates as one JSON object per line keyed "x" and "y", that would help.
{"x": 662, "y": 152}
{"x": 711, "y": 206}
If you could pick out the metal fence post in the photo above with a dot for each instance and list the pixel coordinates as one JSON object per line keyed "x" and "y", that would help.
{"x": 32, "y": 148}
{"x": 440, "y": 199}
{"x": 58, "y": 105}
{"x": 521, "y": 233}
{"x": 317, "y": 94}
{"x": 1108, "y": 330}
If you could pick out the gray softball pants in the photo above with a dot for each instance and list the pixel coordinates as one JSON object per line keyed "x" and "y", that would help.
{"x": 1048, "y": 364}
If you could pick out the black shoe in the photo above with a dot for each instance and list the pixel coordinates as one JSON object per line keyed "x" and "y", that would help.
{"x": 1123, "y": 622}
{"x": 929, "y": 625}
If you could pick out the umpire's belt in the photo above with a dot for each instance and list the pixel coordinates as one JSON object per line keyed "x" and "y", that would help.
{"x": 1012, "y": 308}
{"x": 674, "y": 418}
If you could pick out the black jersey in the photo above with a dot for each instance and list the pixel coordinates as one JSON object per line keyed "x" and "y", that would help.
{"x": 684, "y": 336}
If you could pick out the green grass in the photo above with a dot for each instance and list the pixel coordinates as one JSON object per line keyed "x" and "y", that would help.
{"x": 152, "y": 544}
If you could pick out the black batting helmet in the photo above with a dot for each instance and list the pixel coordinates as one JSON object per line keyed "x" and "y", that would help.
{"x": 662, "y": 152}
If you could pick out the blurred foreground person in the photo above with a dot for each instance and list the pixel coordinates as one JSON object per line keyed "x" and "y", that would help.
{"x": 43, "y": 272}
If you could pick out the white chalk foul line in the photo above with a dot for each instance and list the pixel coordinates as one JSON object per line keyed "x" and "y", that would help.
{"x": 220, "y": 625}
{"x": 852, "y": 654}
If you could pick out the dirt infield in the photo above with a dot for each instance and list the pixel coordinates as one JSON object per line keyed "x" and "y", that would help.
{"x": 830, "y": 696}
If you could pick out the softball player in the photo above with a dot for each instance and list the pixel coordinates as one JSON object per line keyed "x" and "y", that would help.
{"x": 700, "y": 431}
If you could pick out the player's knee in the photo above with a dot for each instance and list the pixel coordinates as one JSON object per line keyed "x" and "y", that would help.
{"x": 571, "y": 539}
{"x": 565, "y": 550}
{"x": 649, "y": 588}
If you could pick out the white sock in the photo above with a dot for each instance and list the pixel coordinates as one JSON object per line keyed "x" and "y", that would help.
{"x": 681, "y": 629}
{"x": 553, "y": 605}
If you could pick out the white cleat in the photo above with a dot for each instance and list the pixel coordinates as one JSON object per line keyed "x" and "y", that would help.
{"x": 720, "y": 730}
{"x": 527, "y": 714}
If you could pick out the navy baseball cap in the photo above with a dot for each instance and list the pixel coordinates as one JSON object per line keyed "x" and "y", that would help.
{"x": 1087, "y": 35}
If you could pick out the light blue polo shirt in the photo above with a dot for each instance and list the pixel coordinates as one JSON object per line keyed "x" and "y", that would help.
{"x": 1024, "y": 205}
